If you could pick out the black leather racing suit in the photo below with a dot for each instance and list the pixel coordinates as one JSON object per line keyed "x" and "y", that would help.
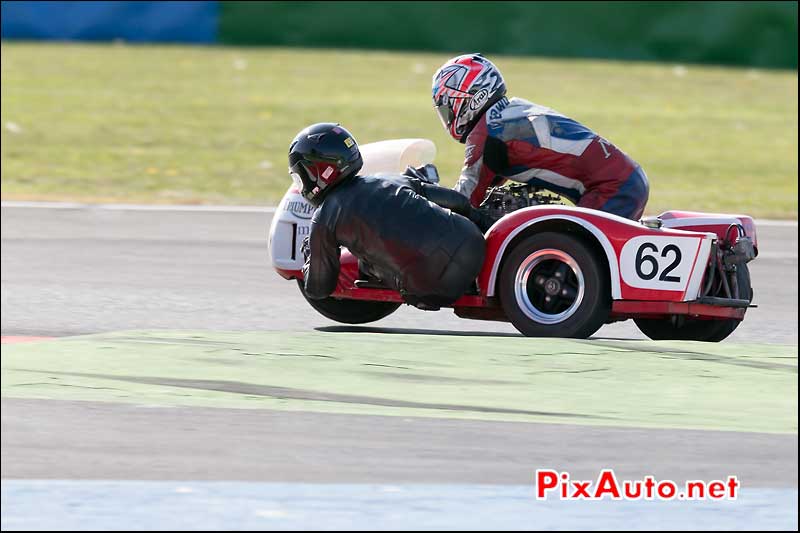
{"x": 396, "y": 225}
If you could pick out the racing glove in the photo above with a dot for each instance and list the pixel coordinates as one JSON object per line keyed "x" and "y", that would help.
{"x": 427, "y": 173}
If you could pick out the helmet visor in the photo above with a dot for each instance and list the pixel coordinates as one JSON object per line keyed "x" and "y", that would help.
{"x": 445, "y": 114}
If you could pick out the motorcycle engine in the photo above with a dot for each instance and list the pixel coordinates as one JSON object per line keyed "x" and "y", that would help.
{"x": 506, "y": 199}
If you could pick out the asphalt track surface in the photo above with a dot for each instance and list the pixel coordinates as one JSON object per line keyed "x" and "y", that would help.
{"x": 79, "y": 271}
{"x": 88, "y": 270}
{"x": 97, "y": 440}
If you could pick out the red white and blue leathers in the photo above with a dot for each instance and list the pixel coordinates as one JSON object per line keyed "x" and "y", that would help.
{"x": 528, "y": 143}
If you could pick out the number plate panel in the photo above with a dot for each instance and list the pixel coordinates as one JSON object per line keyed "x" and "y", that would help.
{"x": 290, "y": 225}
{"x": 658, "y": 262}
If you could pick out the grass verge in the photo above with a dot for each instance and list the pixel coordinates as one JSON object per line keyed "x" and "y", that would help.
{"x": 171, "y": 124}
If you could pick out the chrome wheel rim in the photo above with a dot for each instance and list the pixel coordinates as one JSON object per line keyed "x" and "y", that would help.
{"x": 549, "y": 286}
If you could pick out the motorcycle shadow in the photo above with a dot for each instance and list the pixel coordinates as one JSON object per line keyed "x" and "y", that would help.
{"x": 416, "y": 331}
{"x": 412, "y": 331}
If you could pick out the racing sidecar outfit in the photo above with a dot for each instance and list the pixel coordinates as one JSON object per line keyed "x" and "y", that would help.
{"x": 396, "y": 225}
{"x": 528, "y": 143}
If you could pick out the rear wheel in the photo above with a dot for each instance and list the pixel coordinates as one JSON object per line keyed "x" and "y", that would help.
{"x": 350, "y": 311}
{"x": 694, "y": 329}
{"x": 553, "y": 285}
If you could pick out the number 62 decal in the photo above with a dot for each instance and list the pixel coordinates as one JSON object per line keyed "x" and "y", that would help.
{"x": 658, "y": 262}
{"x": 642, "y": 258}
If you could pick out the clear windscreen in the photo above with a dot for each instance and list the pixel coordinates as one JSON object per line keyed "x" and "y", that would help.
{"x": 298, "y": 181}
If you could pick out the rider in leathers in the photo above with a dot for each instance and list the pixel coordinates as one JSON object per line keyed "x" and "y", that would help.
{"x": 417, "y": 238}
{"x": 513, "y": 139}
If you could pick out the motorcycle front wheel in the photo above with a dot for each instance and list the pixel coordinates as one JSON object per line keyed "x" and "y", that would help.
{"x": 350, "y": 311}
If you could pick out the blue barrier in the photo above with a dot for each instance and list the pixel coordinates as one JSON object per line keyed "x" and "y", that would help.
{"x": 166, "y": 21}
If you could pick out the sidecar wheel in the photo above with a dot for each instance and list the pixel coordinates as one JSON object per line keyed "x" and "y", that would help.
{"x": 350, "y": 311}
{"x": 553, "y": 285}
{"x": 681, "y": 328}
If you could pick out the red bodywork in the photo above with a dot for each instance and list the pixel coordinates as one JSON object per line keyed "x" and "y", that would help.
{"x": 611, "y": 233}
{"x": 709, "y": 222}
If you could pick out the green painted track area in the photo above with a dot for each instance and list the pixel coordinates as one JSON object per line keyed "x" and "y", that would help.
{"x": 724, "y": 386}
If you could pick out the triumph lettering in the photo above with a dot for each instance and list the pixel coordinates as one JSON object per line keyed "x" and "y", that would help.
{"x": 302, "y": 210}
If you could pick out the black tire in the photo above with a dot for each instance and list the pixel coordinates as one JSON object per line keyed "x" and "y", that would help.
{"x": 680, "y": 328}
{"x": 350, "y": 311}
{"x": 566, "y": 314}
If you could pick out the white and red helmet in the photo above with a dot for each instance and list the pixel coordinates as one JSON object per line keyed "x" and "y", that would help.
{"x": 463, "y": 89}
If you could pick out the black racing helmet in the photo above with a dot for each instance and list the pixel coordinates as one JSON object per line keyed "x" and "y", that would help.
{"x": 322, "y": 156}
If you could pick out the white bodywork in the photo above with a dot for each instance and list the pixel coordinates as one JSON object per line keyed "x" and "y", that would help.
{"x": 292, "y": 220}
